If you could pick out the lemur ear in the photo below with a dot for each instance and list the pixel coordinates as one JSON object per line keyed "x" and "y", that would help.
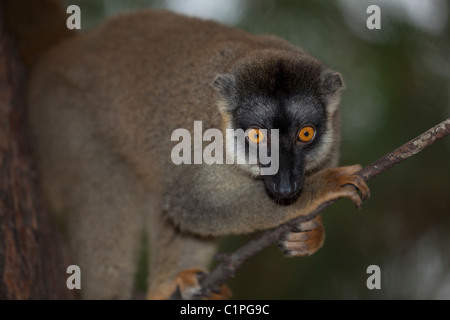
{"x": 331, "y": 82}
{"x": 225, "y": 84}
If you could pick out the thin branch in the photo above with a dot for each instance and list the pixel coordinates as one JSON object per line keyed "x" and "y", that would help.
{"x": 232, "y": 262}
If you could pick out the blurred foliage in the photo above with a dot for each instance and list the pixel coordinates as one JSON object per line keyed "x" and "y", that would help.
{"x": 398, "y": 85}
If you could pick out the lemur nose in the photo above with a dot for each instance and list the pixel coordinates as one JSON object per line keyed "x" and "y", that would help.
{"x": 285, "y": 190}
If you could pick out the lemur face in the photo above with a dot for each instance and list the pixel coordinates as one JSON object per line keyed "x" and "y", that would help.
{"x": 301, "y": 123}
{"x": 293, "y": 94}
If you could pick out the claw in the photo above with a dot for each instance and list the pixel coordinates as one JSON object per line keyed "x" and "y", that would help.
{"x": 351, "y": 193}
{"x": 355, "y": 187}
{"x": 304, "y": 239}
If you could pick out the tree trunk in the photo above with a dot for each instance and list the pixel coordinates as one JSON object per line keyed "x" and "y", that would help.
{"x": 33, "y": 259}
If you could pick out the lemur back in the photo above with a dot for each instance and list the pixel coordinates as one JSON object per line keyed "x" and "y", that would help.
{"x": 101, "y": 110}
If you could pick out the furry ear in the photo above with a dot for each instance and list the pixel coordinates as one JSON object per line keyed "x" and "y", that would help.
{"x": 225, "y": 84}
{"x": 331, "y": 82}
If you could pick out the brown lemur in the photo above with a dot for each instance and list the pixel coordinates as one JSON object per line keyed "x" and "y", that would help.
{"x": 102, "y": 106}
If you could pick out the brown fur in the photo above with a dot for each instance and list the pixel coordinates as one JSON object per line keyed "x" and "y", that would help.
{"x": 102, "y": 107}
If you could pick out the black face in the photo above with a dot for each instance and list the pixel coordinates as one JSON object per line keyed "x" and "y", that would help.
{"x": 300, "y": 121}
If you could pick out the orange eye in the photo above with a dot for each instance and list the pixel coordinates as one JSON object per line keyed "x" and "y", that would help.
{"x": 307, "y": 134}
{"x": 255, "y": 136}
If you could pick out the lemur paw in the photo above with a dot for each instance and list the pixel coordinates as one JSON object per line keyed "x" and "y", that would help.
{"x": 188, "y": 286}
{"x": 304, "y": 239}
{"x": 346, "y": 183}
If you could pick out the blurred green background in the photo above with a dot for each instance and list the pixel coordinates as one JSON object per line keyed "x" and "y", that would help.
{"x": 398, "y": 85}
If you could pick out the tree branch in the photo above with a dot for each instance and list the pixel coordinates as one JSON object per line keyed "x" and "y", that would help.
{"x": 230, "y": 263}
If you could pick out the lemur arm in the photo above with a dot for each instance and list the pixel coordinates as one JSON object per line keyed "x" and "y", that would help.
{"x": 241, "y": 205}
